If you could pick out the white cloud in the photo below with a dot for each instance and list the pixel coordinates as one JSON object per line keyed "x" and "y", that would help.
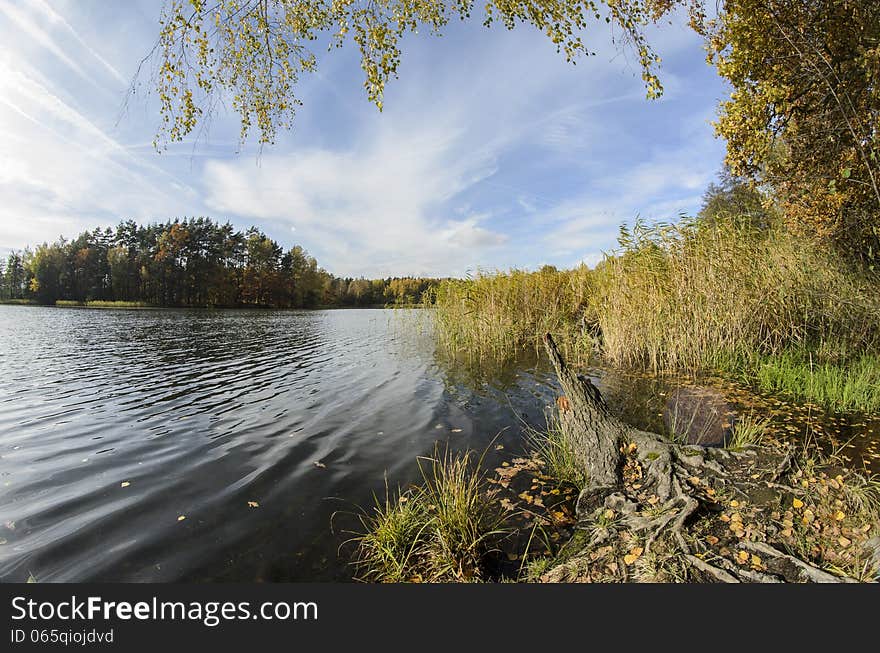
{"x": 468, "y": 233}
{"x": 24, "y": 23}
{"x": 491, "y": 152}
{"x": 61, "y": 173}
{"x": 48, "y": 13}
{"x": 375, "y": 209}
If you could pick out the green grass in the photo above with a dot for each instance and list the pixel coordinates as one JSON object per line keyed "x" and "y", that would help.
{"x": 842, "y": 387}
{"x": 18, "y": 302}
{"x": 439, "y": 531}
{"x": 748, "y": 431}
{"x": 559, "y": 453}
{"x": 68, "y": 303}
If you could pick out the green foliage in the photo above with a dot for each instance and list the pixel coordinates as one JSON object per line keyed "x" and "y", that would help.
{"x": 556, "y": 449}
{"x": 720, "y": 293}
{"x": 736, "y": 198}
{"x": 839, "y": 384}
{"x": 748, "y": 431}
{"x": 441, "y": 530}
{"x": 253, "y": 51}
{"x": 804, "y": 109}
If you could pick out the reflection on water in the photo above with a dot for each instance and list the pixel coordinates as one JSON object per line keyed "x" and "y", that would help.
{"x": 264, "y": 430}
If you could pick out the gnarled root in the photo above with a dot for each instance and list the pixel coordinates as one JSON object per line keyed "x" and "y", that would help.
{"x": 645, "y": 490}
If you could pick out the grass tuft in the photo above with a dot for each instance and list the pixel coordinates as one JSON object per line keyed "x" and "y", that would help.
{"x": 440, "y": 531}
{"x": 748, "y": 431}
{"x": 560, "y": 454}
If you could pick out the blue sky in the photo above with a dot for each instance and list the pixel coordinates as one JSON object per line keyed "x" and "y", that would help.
{"x": 492, "y": 152}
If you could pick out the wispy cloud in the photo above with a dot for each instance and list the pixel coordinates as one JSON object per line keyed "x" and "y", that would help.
{"x": 374, "y": 209}
{"x": 491, "y": 152}
{"x": 23, "y": 22}
{"x": 48, "y": 13}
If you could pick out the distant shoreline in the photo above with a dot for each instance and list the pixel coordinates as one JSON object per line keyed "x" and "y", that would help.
{"x": 139, "y": 306}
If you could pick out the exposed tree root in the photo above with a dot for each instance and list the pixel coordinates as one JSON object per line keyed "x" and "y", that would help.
{"x": 644, "y": 491}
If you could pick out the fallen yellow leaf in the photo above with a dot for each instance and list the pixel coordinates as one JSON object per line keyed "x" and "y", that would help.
{"x": 797, "y": 503}
{"x": 181, "y": 518}
{"x": 124, "y": 484}
{"x": 253, "y": 504}
{"x": 633, "y": 555}
{"x": 839, "y": 515}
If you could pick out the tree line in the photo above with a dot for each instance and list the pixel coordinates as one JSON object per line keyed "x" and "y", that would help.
{"x": 189, "y": 262}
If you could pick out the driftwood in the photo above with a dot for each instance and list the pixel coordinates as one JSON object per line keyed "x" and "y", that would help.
{"x": 669, "y": 474}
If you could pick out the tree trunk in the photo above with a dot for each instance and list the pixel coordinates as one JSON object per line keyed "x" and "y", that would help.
{"x": 588, "y": 423}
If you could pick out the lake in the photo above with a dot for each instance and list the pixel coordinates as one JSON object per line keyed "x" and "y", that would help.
{"x": 190, "y": 445}
{"x": 254, "y": 426}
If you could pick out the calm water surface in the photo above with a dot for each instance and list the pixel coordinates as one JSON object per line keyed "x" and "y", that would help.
{"x": 263, "y": 430}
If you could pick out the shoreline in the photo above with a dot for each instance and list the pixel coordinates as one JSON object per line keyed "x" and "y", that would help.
{"x": 133, "y": 306}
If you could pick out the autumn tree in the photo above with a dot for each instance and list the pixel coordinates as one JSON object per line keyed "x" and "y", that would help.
{"x": 253, "y": 52}
{"x": 48, "y": 270}
{"x": 804, "y": 113}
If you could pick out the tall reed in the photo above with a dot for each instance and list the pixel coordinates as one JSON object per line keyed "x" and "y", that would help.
{"x": 497, "y": 314}
{"x": 759, "y": 303}
{"x": 695, "y": 296}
